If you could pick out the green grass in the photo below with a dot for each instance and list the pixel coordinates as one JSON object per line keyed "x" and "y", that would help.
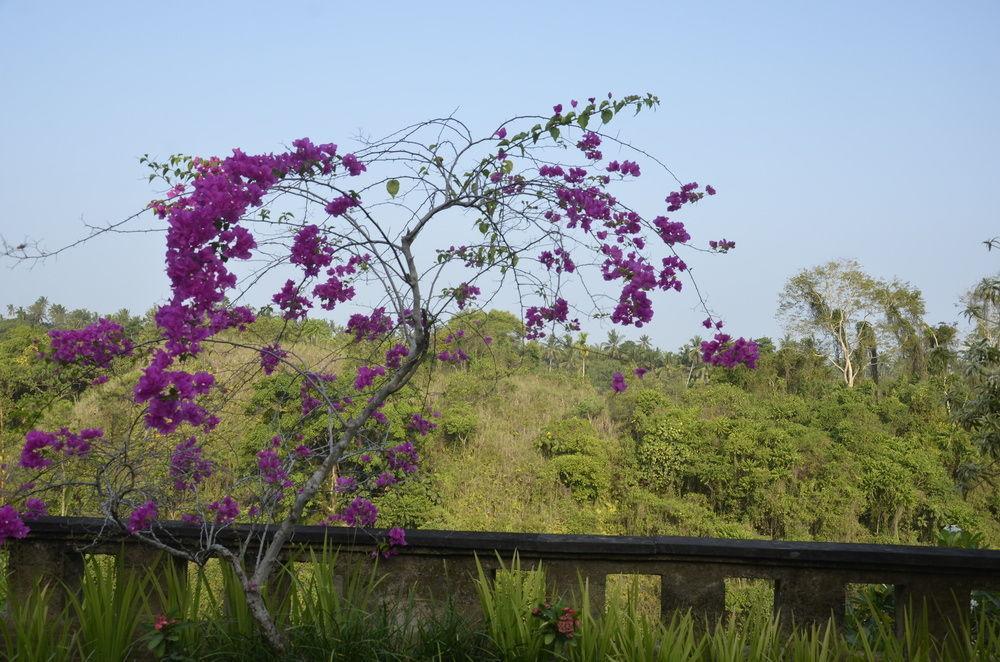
{"x": 334, "y": 611}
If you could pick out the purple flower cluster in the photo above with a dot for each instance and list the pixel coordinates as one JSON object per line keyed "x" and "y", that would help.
{"x": 465, "y": 293}
{"x": 366, "y": 376}
{"x": 722, "y": 245}
{"x": 589, "y": 144}
{"x": 535, "y": 318}
{"x": 339, "y": 206}
{"x": 671, "y": 232}
{"x": 63, "y": 441}
{"x": 311, "y": 251}
{"x": 559, "y": 258}
{"x": 271, "y": 470}
{"x": 11, "y": 525}
{"x": 187, "y": 466}
{"x": 618, "y": 384}
{"x": 270, "y": 357}
{"x": 723, "y": 351}
{"x": 204, "y": 233}
{"x": 35, "y": 508}
{"x": 142, "y": 517}
{"x": 369, "y": 327}
{"x": 225, "y": 510}
{"x": 353, "y": 165}
{"x": 95, "y": 345}
{"x": 171, "y": 395}
{"x": 385, "y": 479}
{"x": 625, "y": 168}
{"x": 420, "y": 425}
{"x": 395, "y": 355}
{"x": 403, "y": 457}
{"x": 456, "y": 356}
{"x": 292, "y": 304}
{"x": 335, "y": 290}
{"x": 344, "y": 484}
{"x": 360, "y": 512}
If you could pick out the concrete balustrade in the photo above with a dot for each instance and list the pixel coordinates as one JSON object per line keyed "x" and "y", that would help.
{"x": 810, "y": 579}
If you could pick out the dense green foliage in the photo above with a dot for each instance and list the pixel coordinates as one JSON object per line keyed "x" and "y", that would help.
{"x": 531, "y": 438}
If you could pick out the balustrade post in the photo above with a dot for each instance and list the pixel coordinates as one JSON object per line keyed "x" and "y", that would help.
{"x": 34, "y": 563}
{"x": 943, "y": 601}
{"x": 564, "y": 577}
{"x": 810, "y": 597}
{"x": 700, "y": 588}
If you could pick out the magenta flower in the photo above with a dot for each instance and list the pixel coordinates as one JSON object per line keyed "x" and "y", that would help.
{"x": 95, "y": 345}
{"x": 270, "y": 357}
{"x": 11, "y": 525}
{"x": 187, "y": 466}
{"x": 618, "y": 384}
{"x": 35, "y": 508}
{"x": 360, "y": 512}
{"x": 366, "y": 376}
{"x": 723, "y": 351}
{"x": 142, "y": 517}
{"x": 225, "y": 510}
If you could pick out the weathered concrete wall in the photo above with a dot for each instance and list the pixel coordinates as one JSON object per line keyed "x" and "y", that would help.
{"x": 810, "y": 579}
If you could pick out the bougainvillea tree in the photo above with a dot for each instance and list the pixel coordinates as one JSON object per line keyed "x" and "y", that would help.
{"x": 396, "y": 237}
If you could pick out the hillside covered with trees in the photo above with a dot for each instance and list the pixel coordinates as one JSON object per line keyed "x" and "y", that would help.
{"x": 866, "y": 422}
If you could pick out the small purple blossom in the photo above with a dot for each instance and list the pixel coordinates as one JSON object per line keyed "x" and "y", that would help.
{"x": 11, "y": 524}
{"x": 726, "y": 352}
{"x": 270, "y": 357}
{"x": 187, "y": 466}
{"x": 142, "y": 517}
{"x": 420, "y": 425}
{"x": 226, "y": 510}
{"x": 394, "y": 357}
{"x": 95, "y": 345}
{"x": 271, "y": 470}
{"x": 366, "y": 376}
{"x": 369, "y": 327}
{"x": 344, "y": 484}
{"x": 360, "y": 512}
{"x": 353, "y": 165}
{"x": 403, "y": 457}
{"x": 35, "y": 508}
{"x": 618, "y": 384}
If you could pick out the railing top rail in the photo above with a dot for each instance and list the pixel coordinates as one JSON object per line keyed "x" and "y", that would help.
{"x": 582, "y": 548}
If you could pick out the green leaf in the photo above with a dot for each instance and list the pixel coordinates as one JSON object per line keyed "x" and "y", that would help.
{"x": 508, "y": 166}
{"x": 554, "y": 132}
{"x": 606, "y": 115}
{"x": 392, "y": 186}
{"x": 583, "y": 120}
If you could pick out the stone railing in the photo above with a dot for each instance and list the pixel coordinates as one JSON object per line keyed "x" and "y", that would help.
{"x": 810, "y": 579}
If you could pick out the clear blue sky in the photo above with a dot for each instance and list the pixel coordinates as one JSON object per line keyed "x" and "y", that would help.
{"x": 868, "y": 130}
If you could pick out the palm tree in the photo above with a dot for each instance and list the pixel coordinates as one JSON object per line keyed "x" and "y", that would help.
{"x": 581, "y": 345}
{"x": 613, "y": 342}
{"x": 550, "y": 350}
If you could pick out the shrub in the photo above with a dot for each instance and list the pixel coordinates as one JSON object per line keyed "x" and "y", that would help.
{"x": 459, "y": 423}
{"x": 569, "y": 436}
{"x": 586, "y": 476}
